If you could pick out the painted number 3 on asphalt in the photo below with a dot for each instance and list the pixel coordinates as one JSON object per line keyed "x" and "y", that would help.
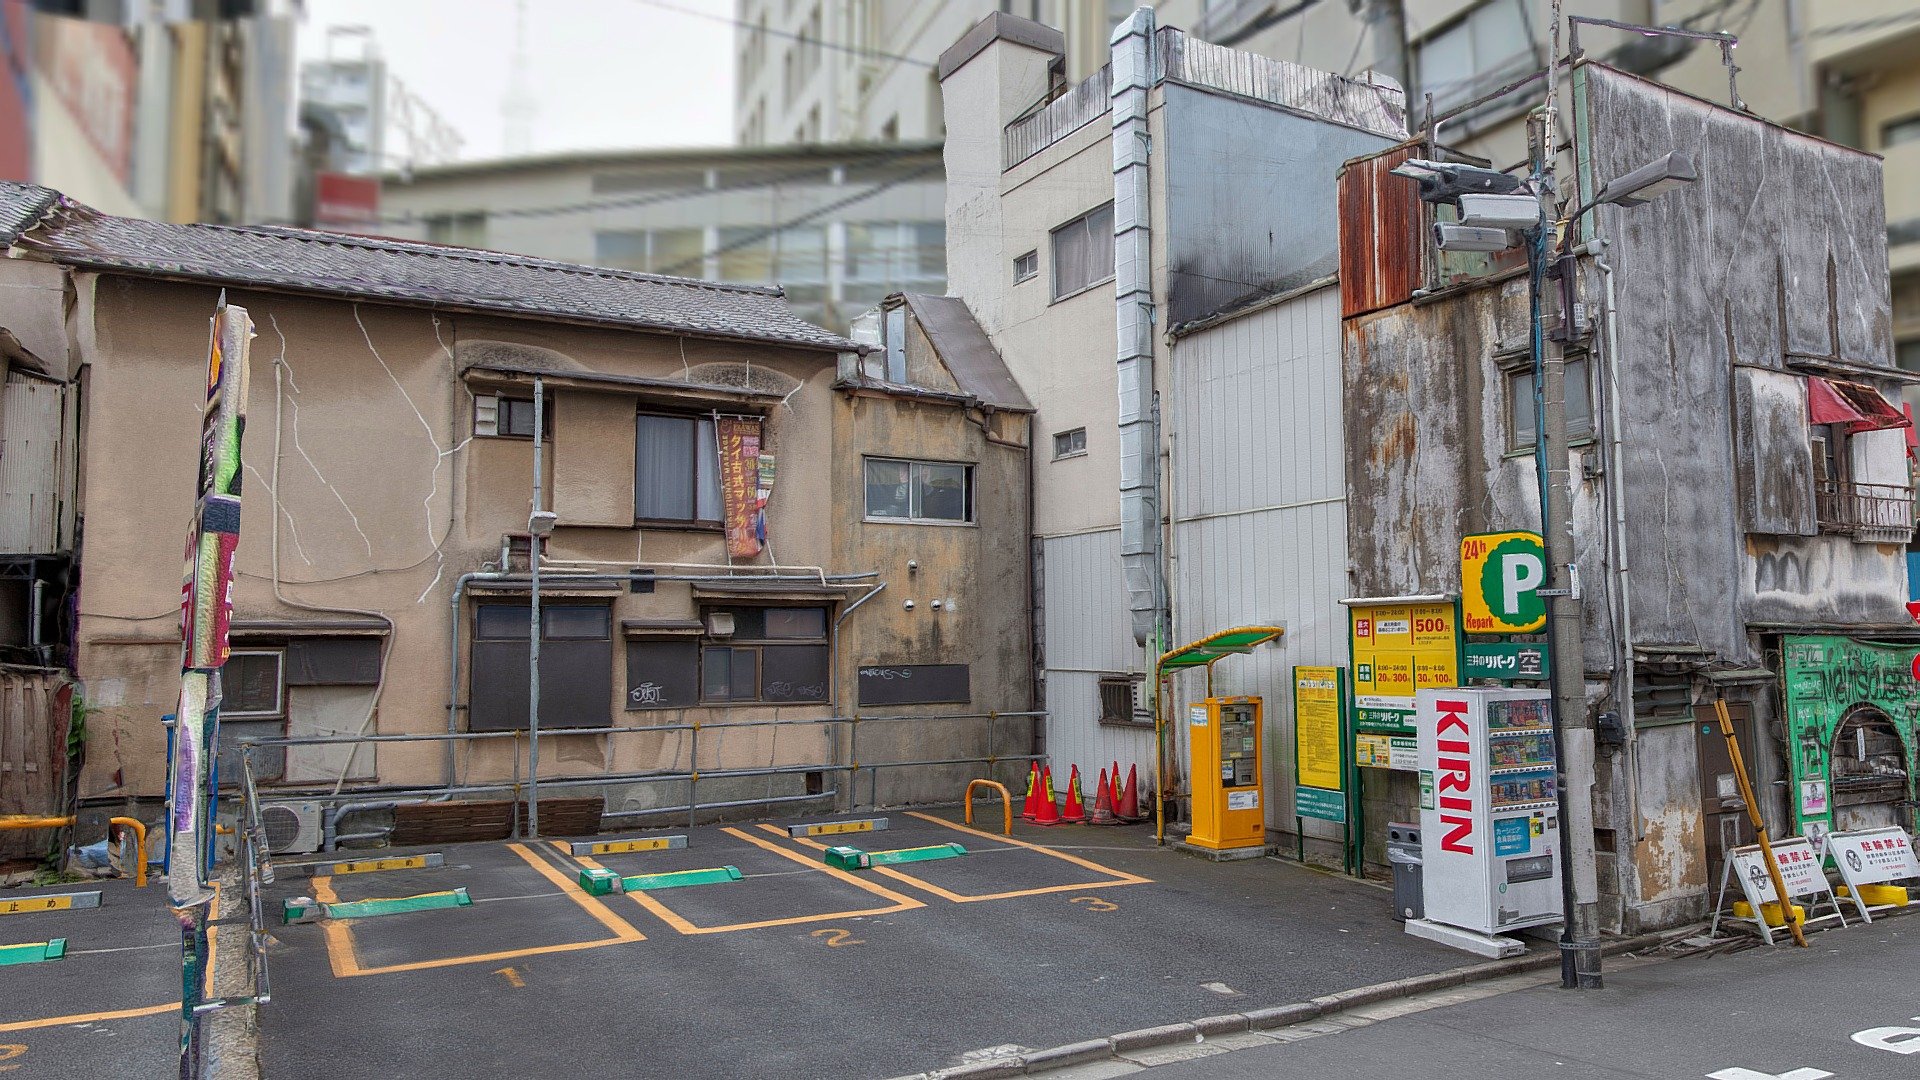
{"x": 1894, "y": 1040}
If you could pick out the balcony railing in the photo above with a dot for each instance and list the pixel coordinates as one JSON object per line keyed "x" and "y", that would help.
{"x": 1882, "y": 512}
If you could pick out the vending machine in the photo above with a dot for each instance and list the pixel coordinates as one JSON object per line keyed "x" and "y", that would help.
{"x": 1225, "y": 737}
{"x": 1489, "y": 819}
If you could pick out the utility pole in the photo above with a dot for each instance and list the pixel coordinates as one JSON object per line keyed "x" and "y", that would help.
{"x": 1573, "y": 730}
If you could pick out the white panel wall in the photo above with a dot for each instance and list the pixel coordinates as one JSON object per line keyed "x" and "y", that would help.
{"x": 1087, "y": 636}
{"x": 1259, "y": 496}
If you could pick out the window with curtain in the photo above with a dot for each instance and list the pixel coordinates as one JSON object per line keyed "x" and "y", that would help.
{"x": 1083, "y": 251}
{"x": 676, "y": 469}
{"x": 923, "y": 491}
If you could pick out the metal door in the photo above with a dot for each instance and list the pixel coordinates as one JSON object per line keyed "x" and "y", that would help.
{"x": 1724, "y": 820}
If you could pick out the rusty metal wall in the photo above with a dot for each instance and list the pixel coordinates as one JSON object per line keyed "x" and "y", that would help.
{"x": 36, "y": 470}
{"x": 1381, "y": 246}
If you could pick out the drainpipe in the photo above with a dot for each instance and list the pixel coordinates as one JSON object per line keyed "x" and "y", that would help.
{"x": 1133, "y": 308}
{"x": 1617, "y": 495}
{"x": 533, "y": 607}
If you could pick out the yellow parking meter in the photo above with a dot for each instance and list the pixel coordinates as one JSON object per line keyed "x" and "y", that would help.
{"x": 1225, "y": 737}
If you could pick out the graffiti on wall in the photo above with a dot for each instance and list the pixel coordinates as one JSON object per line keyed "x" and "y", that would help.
{"x": 1830, "y": 679}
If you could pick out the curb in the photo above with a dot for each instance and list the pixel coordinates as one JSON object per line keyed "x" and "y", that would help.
{"x": 1276, "y": 1016}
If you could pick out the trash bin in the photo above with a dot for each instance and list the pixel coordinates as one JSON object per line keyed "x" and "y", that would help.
{"x": 1403, "y": 854}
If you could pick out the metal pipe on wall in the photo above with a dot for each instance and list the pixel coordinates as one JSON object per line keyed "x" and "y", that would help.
{"x": 534, "y": 536}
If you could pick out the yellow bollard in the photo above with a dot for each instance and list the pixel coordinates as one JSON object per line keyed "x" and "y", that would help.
{"x": 1006, "y": 800}
{"x": 139, "y": 845}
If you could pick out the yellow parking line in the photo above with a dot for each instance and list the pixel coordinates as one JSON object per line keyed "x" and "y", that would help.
{"x": 341, "y": 952}
{"x": 213, "y": 949}
{"x": 684, "y": 926}
{"x": 1116, "y": 877}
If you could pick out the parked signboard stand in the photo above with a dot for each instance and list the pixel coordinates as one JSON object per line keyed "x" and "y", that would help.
{"x": 1322, "y": 764}
{"x": 1872, "y": 857}
{"x": 1800, "y": 874}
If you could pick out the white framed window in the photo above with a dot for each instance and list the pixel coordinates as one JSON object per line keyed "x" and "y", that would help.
{"x": 930, "y": 492}
{"x": 1069, "y": 443}
{"x": 1026, "y": 267}
{"x": 253, "y": 684}
{"x": 1083, "y": 252}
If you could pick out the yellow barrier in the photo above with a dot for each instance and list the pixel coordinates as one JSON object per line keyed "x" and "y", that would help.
{"x": 139, "y": 847}
{"x": 1006, "y": 800}
{"x": 33, "y": 821}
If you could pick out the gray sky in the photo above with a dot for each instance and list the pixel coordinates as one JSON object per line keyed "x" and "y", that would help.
{"x": 607, "y": 73}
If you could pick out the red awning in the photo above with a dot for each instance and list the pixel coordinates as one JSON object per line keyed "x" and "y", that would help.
{"x": 1856, "y": 405}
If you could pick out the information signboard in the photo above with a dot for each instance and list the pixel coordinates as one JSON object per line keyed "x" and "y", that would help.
{"x": 1872, "y": 857}
{"x": 1398, "y": 648}
{"x": 1319, "y": 726}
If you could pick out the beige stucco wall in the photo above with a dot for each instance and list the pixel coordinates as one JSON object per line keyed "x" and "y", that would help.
{"x": 385, "y": 501}
{"x": 976, "y": 573}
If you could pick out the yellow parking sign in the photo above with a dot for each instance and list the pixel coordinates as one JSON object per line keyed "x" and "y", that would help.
{"x": 1500, "y": 578}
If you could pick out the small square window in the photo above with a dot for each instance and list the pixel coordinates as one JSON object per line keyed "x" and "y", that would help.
{"x": 1521, "y": 424}
{"x": 1026, "y": 267}
{"x": 1070, "y": 443}
{"x": 1894, "y": 133}
{"x": 252, "y": 684}
{"x": 511, "y": 418}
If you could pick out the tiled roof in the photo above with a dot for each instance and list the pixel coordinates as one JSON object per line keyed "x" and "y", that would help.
{"x": 20, "y": 206}
{"x": 404, "y": 272}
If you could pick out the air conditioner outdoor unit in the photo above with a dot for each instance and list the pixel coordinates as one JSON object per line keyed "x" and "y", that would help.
{"x": 292, "y": 828}
{"x": 720, "y": 623}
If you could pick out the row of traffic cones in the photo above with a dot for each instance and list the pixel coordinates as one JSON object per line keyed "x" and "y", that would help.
{"x": 1112, "y": 804}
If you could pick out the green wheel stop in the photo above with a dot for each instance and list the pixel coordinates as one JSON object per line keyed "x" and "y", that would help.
{"x": 680, "y": 878}
{"x": 397, "y": 905}
{"x": 33, "y": 952}
{"x": 915, "y": 854}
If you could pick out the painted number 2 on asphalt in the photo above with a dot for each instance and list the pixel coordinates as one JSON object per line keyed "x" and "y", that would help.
{"x": 1894, "y": 1040}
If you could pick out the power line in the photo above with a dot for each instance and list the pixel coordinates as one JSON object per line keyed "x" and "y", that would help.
{"x": 764, "y": 178}
{"x": 801, "y": 219}
{"x": 878, "y": 54}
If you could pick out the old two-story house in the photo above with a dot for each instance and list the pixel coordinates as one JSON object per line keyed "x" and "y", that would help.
{"x": 1153, "y": 251}
{"x": 1741, "y": 497}
{"x": 693, "y": 453}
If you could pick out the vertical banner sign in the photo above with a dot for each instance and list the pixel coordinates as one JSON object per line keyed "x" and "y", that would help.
{"x": 206, "y": 609}
{"x": 740, "y": 484}
{"x": 1398, "y": 648}
{"x": 1319, "y": 725}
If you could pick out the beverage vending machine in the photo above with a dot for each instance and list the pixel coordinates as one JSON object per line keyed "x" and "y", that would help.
{"x": 1489, "y": 817}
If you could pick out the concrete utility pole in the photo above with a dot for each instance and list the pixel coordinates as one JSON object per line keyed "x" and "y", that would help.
{"x": 1573, "y": 729}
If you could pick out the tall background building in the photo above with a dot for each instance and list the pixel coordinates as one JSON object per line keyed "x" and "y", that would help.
{"x": 1848, "y": 70}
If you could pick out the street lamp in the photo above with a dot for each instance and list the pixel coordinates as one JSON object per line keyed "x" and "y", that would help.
{"x": 1493, "y": 207}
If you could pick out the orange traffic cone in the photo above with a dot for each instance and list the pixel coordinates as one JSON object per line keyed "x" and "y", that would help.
{"x": 1076, "y": 811}
{"x": 1046, "y": 785}
{"x": 1115, "y": 781}
{"x": 1103, "y": 802}
{"x": 1048, "y": 810}
{"x": 1032, "y": 808}
{"x": 1129, "y": 808}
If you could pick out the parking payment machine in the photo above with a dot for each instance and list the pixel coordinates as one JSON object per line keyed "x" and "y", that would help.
{"x": 1225, "y": 737}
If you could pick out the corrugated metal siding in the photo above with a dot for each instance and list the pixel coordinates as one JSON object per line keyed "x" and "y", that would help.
{"x": 1061, "y": 117}
{"x": 1381, "y": 248}
{"x": 1087, "y": 635}
{"x": 1260, "y": 498}
{"x": 35, "y": 483}
{"x": 1356, "y": 103}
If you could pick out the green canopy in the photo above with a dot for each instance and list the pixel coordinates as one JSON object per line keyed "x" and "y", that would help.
{"x": 1216, "y": 647}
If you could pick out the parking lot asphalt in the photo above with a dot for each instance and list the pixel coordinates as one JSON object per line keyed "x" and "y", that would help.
{"x": 110, "y": 1006}
{"x": 798, "y": 969}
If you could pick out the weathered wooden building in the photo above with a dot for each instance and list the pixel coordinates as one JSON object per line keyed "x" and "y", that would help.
{"x": 1741, "y": 492}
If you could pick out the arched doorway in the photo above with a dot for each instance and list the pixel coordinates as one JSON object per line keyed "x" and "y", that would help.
{"x": 1871, "y": 780}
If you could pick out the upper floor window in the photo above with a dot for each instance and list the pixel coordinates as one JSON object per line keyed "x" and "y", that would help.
{"x": 1905, "y": 129}
{"x": 1070, "y": 443}
{"x": 1083, "y": 252}
{"x": 924, "y": 491}
{"x": 509, "y": 417}
{"x": 676, "y": 470}
{"x": 1026, "y": 267}
{"x": 1522, "y": 431}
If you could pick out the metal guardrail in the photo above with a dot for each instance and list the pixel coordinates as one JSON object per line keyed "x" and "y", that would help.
{"x": 1865, "y": 508}
{"x": 849, "y": 769}
{"x": 256, "y": 870}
